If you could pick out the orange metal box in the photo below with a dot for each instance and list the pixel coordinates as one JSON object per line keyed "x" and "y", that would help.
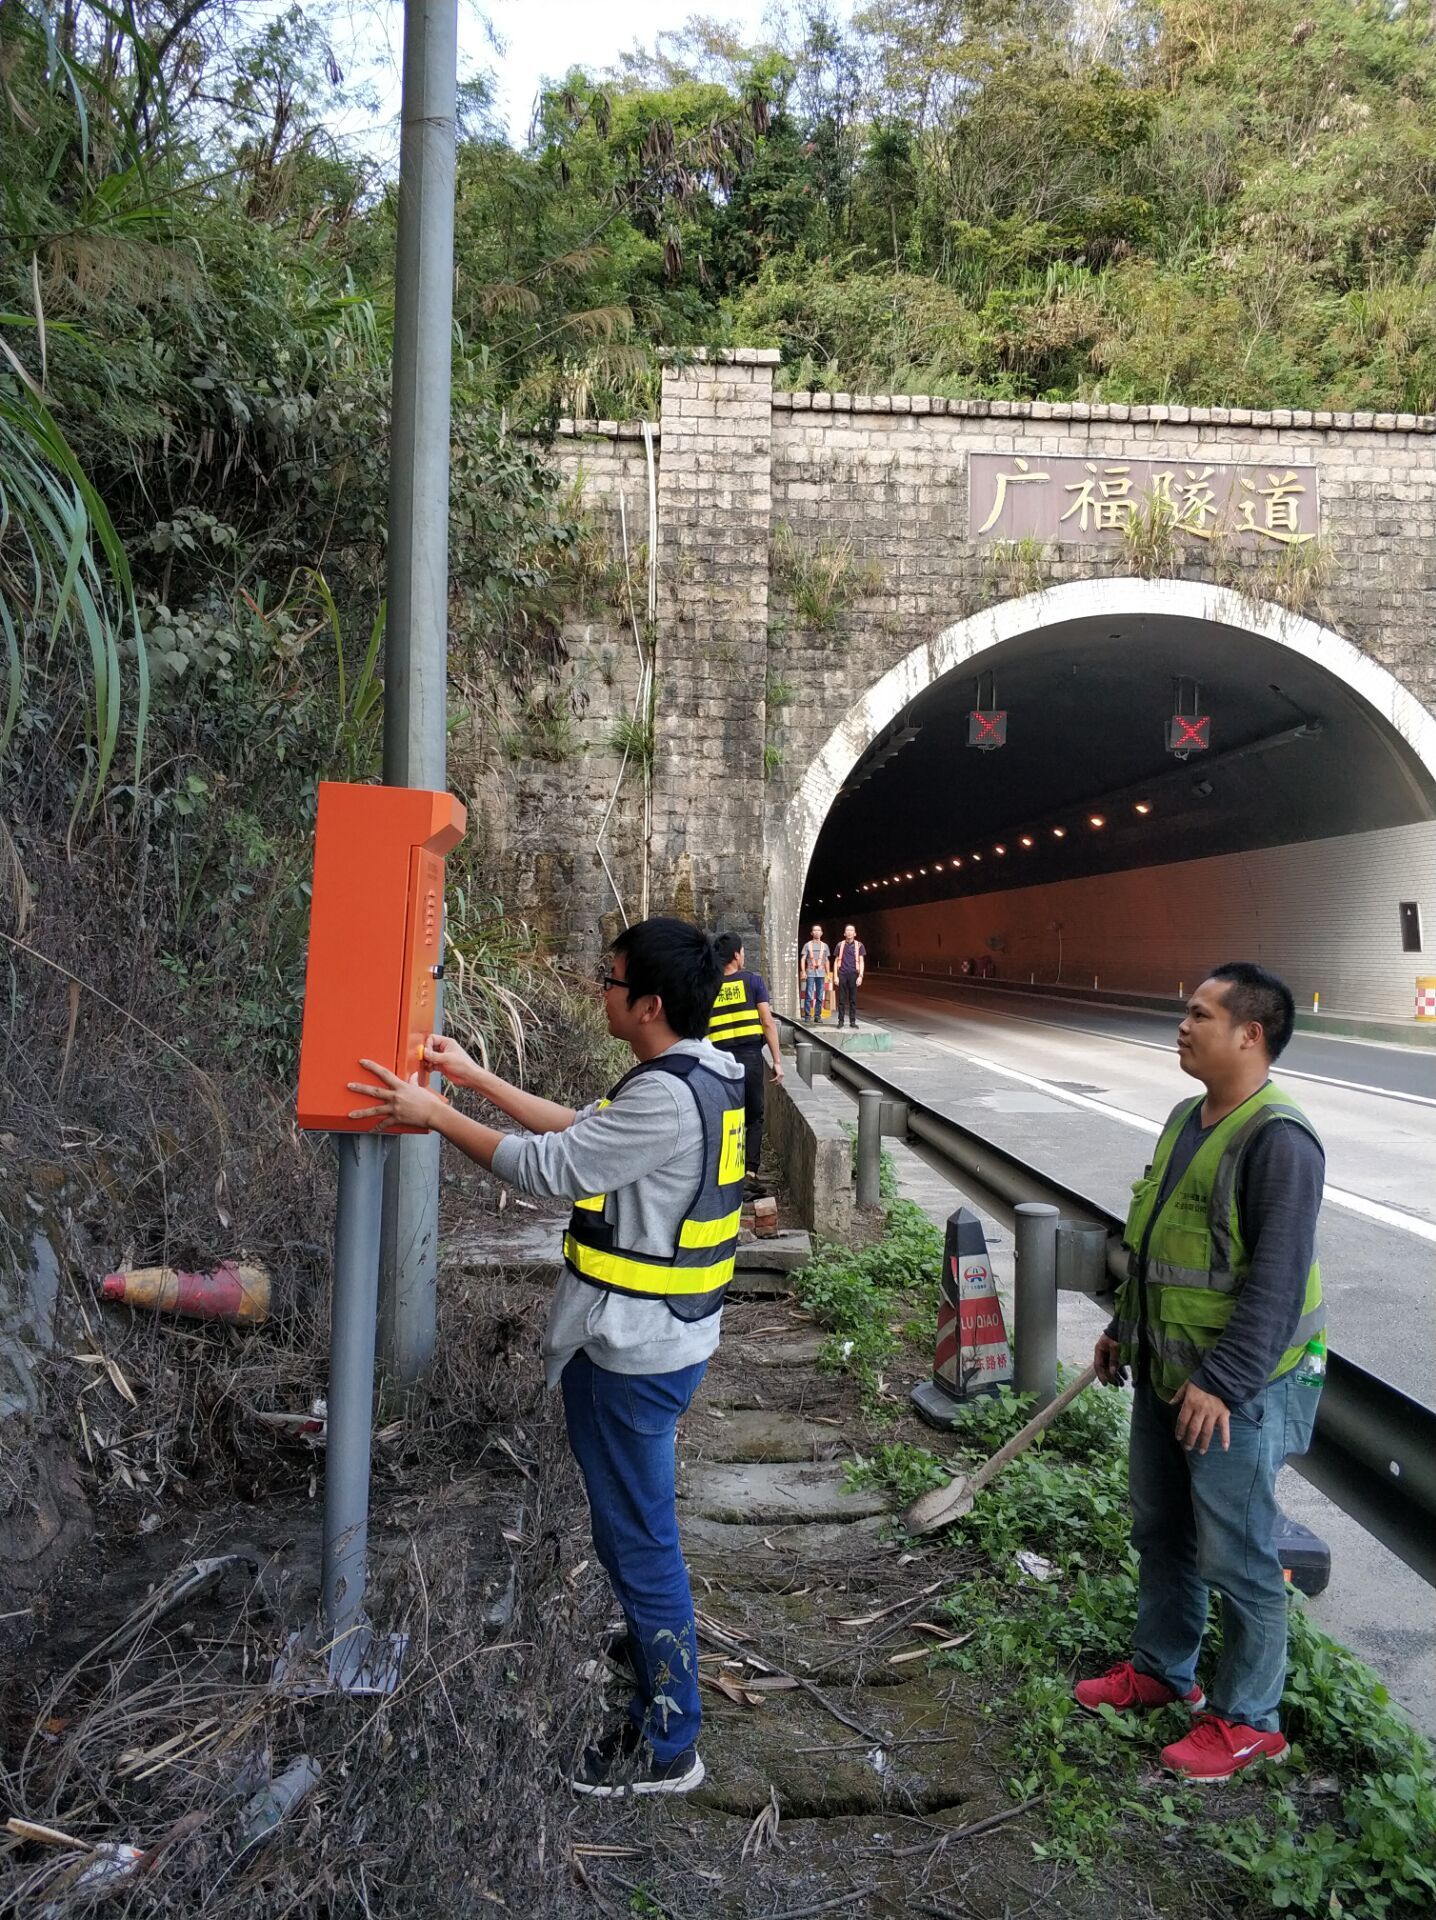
{"x": 376, "y": 933}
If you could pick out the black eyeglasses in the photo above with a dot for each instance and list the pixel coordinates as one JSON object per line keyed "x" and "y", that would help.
{"x": 607, "y": 980}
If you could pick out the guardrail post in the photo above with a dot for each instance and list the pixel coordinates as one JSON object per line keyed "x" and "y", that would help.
{"x": 1035, "y": 1318}
{"x": 870, "y": 1146}
{"x": 805, "y": 1062}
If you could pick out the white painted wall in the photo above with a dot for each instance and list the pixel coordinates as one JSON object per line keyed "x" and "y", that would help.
{"x": 1323, "y": 915}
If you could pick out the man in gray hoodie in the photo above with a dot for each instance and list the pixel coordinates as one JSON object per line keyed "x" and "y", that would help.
{"x": 655, "y": 1172}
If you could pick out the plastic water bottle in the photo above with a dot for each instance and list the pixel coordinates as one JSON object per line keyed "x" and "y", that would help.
{"x": 1311, "y": 1368}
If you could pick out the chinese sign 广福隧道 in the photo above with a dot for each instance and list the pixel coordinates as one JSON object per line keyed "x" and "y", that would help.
{"x": 1070, "y": 497}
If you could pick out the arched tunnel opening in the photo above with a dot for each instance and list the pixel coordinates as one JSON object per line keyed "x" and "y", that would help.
{"x": 1296, "y": 829}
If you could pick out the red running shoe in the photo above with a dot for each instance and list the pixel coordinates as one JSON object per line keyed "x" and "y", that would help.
{"x": 1124, "y": 1688}
{"x": 1215, "y": 1749}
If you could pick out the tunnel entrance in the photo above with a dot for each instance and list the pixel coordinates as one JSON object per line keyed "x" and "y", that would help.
{"x": 1083, "y": 848}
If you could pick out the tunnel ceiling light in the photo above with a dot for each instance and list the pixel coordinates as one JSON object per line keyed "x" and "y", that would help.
{"x": 1027, "y": 839}
{"x": 977, "y": 856}
{"x": 999, "y": 848}
{"x": 1144, "y": 806}
{"x": 912, "y": 876}
{"x": 1096, "y": 819}
{"x": 939, "y": 866}
{"x": 922, "y": 870}
{"x": 1059, "y": 833}
{"x": 957, "y": 863}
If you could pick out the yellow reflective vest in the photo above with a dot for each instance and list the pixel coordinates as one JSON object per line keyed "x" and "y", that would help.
{"x": 734, "y": 1020}
{"x": 692, "y": 1277}
{"x": 1196, "y": 1258}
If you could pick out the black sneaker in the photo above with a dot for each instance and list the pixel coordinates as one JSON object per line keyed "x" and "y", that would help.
{"x": 622, "y": 1762}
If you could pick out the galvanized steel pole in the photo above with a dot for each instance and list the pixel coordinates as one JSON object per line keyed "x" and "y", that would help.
{"x": 351, "y": 1380}
{"x": 1035, "y": 1289}
{"x": 416, "y": 639}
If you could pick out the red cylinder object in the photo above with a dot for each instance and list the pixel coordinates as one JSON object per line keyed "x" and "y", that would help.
{"x": 235, "y": 1292}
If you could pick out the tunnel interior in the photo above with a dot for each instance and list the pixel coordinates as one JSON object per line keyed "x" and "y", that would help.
{"x": 1085, "y": 783}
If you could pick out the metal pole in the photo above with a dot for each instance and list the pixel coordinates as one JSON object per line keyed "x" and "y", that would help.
{"x": 416, "y": 638}
{"x": 1035, "y": 1318}
{"x": 351, "y": 1379}
{"x": 870, "y": 1146}
{"x": 805, "y": 1052}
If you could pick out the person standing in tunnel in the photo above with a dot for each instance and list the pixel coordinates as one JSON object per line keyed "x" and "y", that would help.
{"x": 1221, "y": 1321}
{"x": 742, "y": 1024}
{"x": 850, "y": 959}
{"x": 814, "y": 972}
{"x": 655, "y": 1172}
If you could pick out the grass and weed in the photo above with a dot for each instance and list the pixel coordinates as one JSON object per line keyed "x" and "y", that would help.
{"x": 1352, "y": 1838}
{"x": 864, "y": 1295}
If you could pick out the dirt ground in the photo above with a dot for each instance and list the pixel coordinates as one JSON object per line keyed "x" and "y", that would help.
{"x": 851, "y": 1768}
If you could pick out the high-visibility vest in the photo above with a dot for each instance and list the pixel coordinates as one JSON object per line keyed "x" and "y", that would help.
{"x": 691, "y": 1278}
{"x": 735, "y": 1013}
{"x": 1196, "y": 1257}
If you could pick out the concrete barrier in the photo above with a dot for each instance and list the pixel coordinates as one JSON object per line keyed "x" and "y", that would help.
{"x": 815, "y": 1155}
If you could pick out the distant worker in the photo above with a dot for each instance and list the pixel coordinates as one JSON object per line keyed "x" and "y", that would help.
{"x": 1222, "y": 1324}
{"x": 742, "y": 1024}
{"x": 850, "y": 960}
{"x": 815, "y": 968}
{"x": 655, "y": 1172}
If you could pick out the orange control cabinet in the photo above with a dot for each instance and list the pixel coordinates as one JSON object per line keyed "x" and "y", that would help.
{"x": 376, "y": 941}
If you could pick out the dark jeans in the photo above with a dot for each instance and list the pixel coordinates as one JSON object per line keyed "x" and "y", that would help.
{"x": 1207, "y": 1520}
{"x": 847, "y": 998}
{"x": 621, "y": 1429}
{"x": 755, "y": 1076}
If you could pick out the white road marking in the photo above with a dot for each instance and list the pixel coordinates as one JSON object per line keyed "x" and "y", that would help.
{"x": 1163, "y": 1046}
{"x": 1338, "y": 1196}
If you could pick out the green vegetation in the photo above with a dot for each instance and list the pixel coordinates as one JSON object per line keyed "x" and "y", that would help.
{"x": 1351, "y": 1835}
{"x": 821, "y": 582}
{"x": 861, "y": 1293}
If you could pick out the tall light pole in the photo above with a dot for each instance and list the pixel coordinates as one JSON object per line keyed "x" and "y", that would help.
{"x": 416, "y": 640}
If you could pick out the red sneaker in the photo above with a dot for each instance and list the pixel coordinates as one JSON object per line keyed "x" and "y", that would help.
{"x": 1215, "y": 1749}
{"x": 1124, "y": 1688}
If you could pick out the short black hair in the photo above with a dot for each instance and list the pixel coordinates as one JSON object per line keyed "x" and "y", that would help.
{"x": 728, "y": 945}
{"x": 680, "y": 964}
{"x": 1254, "y": 993}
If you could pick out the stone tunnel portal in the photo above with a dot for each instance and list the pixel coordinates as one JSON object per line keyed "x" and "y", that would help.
{"x": 1083, "y": 850}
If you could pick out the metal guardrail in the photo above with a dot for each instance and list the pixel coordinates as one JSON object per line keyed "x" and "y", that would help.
{"x": 1374, "y": 1449}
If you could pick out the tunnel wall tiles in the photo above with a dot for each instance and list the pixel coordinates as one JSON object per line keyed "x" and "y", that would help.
{"x": 1322, "y": 914}
{"x": 881, "y": 480}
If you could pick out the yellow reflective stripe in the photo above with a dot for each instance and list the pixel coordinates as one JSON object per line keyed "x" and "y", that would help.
{"x": 593, "y": 1205}
{"x": 636, "y": 1276}
{"x": 746, "y": 1021}
{"x": 733, "y": 1155}
{"x": 710, "y": 1233}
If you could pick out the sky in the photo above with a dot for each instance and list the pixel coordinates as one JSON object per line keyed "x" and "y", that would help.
{"x": 537, "y": 41}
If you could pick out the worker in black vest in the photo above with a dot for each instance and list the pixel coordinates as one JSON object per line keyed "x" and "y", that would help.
{"x": 741, "y": 1024}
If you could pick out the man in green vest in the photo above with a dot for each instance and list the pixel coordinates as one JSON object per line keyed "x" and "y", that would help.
{"x": 1221, "y": 1322}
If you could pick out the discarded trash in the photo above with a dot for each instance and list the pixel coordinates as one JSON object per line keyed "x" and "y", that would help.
{"x": 234, "y": 1292}
{"x": 97, "y": 1862}
{"x": 878, "y": 1760}
{"x": 1036, "y": 1566}
{"x": 263, "y": 1813}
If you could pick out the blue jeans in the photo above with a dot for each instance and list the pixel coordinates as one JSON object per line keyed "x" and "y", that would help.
{"x": 1207, "y": 1520}
{"x": 621, "y": 1429}
{"x": 814, "y": 992}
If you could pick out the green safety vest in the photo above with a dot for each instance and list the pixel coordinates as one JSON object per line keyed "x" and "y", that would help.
{"x": 1196, "y": 1257}
{"x": 692, "y": 1278}
{"x": 735, "y": 1014}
